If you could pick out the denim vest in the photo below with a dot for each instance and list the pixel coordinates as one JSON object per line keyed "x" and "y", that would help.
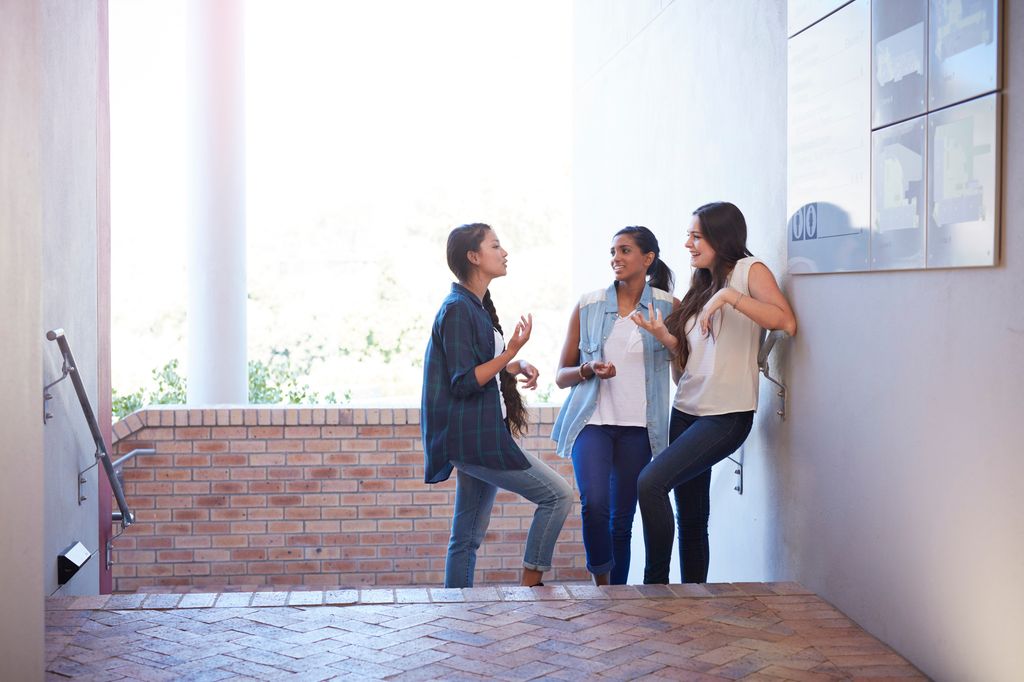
{"x": 598, "y": 310}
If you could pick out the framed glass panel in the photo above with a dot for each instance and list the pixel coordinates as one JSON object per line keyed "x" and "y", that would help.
{"x": 829, "y": 143}
{"x": 899, "y": 59}
{"x": 963, "y": 50}
{"x": 963, "y": 184}
{"x": 898, "y": 196}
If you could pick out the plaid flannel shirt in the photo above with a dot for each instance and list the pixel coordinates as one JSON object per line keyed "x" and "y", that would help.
{"x": 460, "y": 419}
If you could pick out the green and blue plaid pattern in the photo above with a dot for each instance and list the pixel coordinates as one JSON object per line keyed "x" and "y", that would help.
{"x": 460, "y": 420}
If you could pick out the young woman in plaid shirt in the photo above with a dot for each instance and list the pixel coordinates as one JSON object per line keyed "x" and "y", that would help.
{"x": 468, "y": 422}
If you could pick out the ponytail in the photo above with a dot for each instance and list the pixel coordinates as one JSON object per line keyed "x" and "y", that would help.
{"x": 660, "y": 276}
{"x": 517, "y": 417}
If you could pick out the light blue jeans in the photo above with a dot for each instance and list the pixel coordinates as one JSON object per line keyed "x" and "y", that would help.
{"x": 475, "y": 488}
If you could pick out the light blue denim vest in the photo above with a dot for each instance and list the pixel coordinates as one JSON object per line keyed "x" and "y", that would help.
{"x": 598, "y": 310}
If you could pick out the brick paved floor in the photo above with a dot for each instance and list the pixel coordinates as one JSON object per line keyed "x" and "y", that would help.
{"x": 574, "y": 632}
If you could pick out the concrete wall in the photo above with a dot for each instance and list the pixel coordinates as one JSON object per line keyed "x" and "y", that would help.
{"x": 68, "y": 140}
{"x": 903, "y": 459}
{"x": 21, "y": 429}
{"x": 889, "y": 489}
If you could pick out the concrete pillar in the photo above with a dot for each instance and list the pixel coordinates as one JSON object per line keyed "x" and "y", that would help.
{"x": 217, "y": 367}
{"x": 22, "y": 68}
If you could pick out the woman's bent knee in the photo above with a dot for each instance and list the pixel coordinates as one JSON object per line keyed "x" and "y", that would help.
{"x": 648, "y": 486}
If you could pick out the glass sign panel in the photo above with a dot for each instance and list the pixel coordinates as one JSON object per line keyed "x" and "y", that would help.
{"x": 963, "y": 54}
{"x": 898, "y": 196}
{"x": 963, "y": 162}
{"x": 899, "y": 32}
{"x": 829, "y": 143}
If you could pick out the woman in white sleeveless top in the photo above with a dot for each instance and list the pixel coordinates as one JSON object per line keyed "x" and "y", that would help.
{"x": 714, "y": 334}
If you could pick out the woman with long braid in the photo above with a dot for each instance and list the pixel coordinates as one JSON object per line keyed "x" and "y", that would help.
{"x": 468, "y": 422}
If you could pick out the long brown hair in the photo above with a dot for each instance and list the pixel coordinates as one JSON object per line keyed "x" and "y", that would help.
{"x": 723, "y": 227}
{"x": 461, "y": 241}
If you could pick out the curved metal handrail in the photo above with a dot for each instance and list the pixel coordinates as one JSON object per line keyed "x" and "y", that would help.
{"x": 71, "y": 369}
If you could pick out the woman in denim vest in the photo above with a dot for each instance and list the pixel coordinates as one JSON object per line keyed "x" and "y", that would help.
{"x": 616, "y": 414}
{"x": 715, "y": 334}
{"x": 468, "y": 422}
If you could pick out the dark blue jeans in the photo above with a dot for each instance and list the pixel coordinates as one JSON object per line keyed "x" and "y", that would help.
{"x": 696, "y": 444}
{"x": 607, "y": 460}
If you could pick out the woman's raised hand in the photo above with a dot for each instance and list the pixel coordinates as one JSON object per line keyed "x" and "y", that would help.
{"x": 653, "y": 323}
{"x": 521, "y": 334}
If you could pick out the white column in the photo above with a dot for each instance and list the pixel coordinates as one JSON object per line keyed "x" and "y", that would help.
{"x": 217, "y": 367}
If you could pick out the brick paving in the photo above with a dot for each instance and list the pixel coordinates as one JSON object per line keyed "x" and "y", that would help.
{"x": 749, "y": 631}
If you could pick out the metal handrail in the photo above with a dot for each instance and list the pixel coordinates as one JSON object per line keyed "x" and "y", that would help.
{"x": 71, "y": 369}
{"x": 119, "y": 462}
{"x": 767, "y": 343}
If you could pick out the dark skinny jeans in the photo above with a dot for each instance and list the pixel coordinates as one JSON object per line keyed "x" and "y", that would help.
{"x": 696, "y": 444}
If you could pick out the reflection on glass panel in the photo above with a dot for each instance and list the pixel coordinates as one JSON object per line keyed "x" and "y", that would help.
{"x": 963, "y": 55}
{"x": 899, "y": 55}
{"x": 898, "y": 196}
{"x": 963, "y": 155}
{"x": 802, "y": 13}
{"x": 829, "y": 139}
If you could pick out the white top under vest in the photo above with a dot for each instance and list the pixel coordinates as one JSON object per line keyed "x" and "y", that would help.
{"x": 499, "y": 348}
{"x": 721, "y": 372}
{"x": 622, "y": 400}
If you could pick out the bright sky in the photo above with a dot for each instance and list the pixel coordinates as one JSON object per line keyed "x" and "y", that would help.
{"x": 372, "y": 129}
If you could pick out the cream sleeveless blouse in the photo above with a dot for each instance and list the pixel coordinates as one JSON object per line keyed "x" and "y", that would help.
{"x": 721, "y": 372}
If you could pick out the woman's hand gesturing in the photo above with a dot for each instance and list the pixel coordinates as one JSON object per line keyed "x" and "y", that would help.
{"x": 520, "y": 335}
{"x": 528, "y": 375}
{"x": 706, "y": 318}
{"x": 654, "y": 324}
{"x": 602, "y": 370}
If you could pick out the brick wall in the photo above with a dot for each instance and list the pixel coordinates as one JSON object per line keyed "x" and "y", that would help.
{"x": 314, "y": 497}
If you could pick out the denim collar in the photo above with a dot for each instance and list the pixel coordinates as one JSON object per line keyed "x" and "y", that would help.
{"x": 611, "y": 301}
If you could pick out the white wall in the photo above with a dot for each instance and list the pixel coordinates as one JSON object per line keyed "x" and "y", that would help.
{"x": 69, "y": 126}
{"x": 675, "y": 107}
{"x": 21, "y": 428}
{"x": 889, "y": 489}
{"x": 48, "y": 103}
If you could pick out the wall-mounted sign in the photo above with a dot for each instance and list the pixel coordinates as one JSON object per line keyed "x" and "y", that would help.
{"x": 893, "y": 134}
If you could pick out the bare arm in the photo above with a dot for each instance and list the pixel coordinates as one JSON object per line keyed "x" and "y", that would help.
{"x": 568, "y": 373}
{"x": 766, "y": 305}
